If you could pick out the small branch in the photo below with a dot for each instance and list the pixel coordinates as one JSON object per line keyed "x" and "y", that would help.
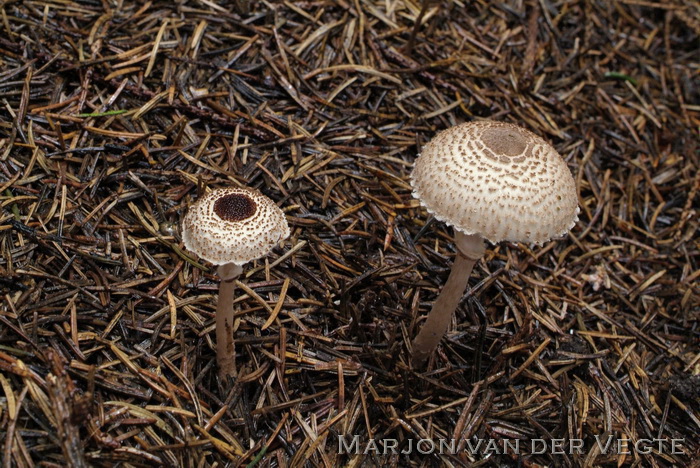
{"x": 416, "y": 26}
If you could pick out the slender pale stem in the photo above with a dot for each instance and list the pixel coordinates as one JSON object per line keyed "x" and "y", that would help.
{"x": 470, "y": 248}
{"x": 225, "y": 346}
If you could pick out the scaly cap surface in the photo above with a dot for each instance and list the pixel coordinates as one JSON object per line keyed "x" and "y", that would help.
{"x": 497, "y": 180}
{"x": 233, "y": 225}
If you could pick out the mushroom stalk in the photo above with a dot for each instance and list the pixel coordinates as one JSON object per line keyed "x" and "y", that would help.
{"x": 470, "y": 248}
{"x": 225, "y": 346}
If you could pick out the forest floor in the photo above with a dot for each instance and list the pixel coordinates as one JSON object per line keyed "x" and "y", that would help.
{"x": 116, "y": 115}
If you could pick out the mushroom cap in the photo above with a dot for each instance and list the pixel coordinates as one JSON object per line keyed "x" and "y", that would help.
{"x": 497, "y": 180}
{"x": 233, "y": 225}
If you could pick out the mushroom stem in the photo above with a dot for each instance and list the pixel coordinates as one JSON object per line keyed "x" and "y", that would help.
{"x": 470, "y": 248}
{"x": 225, "y": 348}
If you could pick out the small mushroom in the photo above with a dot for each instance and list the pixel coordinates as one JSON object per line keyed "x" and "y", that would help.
{"x": 488, "y": 180}
{"x": 230, "y": 227}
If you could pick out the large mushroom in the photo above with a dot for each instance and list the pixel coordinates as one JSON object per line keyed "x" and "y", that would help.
{"x": 230, "y": 227}
{"x": 488, "y": 180}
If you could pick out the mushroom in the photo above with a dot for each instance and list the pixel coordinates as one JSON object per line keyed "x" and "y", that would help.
{"x": 230, "y": 227}
{"x": 488, "y": 180}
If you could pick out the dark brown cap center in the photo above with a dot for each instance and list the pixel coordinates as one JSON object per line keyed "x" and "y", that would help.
{"x": 504, "y": 141}
{"x": 235, "y": 207}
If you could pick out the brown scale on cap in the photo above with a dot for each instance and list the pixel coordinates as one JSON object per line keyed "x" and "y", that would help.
{"x": 235, "y": 207}
{"x": 497, "y": 180}
{"x": 505, "y": 142}
{"x": 233, "y": 225}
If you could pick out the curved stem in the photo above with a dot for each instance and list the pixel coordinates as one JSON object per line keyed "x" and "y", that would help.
{"x": 225, "y": 347}
{"x": 470, "y": 248}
